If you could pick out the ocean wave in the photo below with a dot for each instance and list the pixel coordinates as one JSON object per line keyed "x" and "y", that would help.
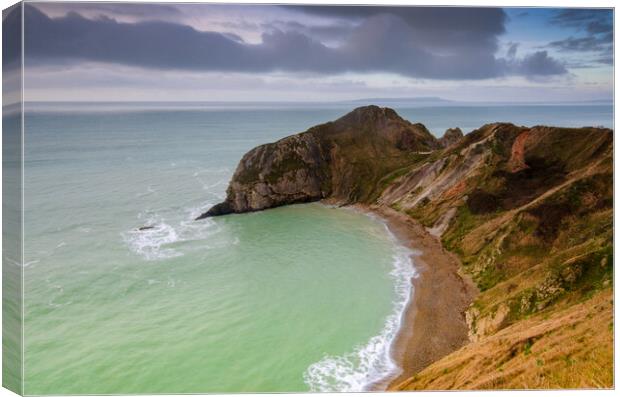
{"x": 372, "y": 362}
{"x": 149, "y": 190}
{"x": 58, "y": 298}
{"x": 214, "y": 187}
{"x": 157, "y": 242}
{"x": 32, "y": 262}
{"x": 151, "y": 243}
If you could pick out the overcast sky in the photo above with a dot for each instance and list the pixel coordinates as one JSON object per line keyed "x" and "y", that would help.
{"x": 197, "y": 52}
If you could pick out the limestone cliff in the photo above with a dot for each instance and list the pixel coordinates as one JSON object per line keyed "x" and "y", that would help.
{"x": 343, "y": 160}
{"x": 528, "y": 211}
{"x": 451, "y": 137}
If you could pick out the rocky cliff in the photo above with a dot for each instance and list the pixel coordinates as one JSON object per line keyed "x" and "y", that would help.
{"x": 342, "y": 160}
{"x": 450, "y": 137}
{"x": 528, "y": 210}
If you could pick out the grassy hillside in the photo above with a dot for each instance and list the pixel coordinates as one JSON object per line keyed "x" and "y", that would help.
{"x": 569, "y": 346}
{"x": 530, "y": 214}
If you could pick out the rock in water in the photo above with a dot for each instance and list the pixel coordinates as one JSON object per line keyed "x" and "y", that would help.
{"x": 216, "y": 210}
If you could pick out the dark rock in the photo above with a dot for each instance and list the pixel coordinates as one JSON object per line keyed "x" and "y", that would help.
{"x": 216, "y": 210}
{"x": 343, "y": 160}
{"x": 451, "y": 137}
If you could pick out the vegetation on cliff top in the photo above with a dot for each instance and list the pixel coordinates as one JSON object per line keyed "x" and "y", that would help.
{"x": 344, "y": 160}
{"x": 533, "y": 227}
{"x": 529, "y": 211}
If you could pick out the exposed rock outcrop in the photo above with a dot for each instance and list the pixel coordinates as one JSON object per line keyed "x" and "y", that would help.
{"x": 451, "y": 137}
{"x": 533, "y": 227}
{"x": 343, "y": 160}
{"x": 527, "y": 210}
{"x": 292, "y": 170}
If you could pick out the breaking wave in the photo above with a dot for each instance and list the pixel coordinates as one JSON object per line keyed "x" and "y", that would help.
{"x": 372, "y": 362}
{"x": 158, "y": 240}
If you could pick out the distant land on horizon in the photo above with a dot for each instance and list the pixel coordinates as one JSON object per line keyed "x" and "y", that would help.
{"x": 440, "y": 100}
{"x": 419, "y": 101}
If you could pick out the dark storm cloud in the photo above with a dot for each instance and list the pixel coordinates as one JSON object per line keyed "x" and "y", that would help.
{"x": 443, "y": 28}
{"x": 512, "y": 50}
{"x": 148, "y": 10}
{"x": 328, "y": 32}
{"x": 606, "y": 60}
{"x": 596, "y": 25}
{"x": 486, "y": 20}
{"x": 538, "y": 64}
{"x": 431, "y": 43}
{"x": 592, "y": 20}
{"x": 11, "y": 29}
{"x": 588, "y": 43}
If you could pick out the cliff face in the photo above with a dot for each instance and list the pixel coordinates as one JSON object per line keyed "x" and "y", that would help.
{"x": 529, "y": 212}
{"x": 292, "y": 170}
{"x": 450, "y": 137}
{"x": 342, "y": 160}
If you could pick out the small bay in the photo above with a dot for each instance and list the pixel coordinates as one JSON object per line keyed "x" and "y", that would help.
{"x": 287, "y": 299}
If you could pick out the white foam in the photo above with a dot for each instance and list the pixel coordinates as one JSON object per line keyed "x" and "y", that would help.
{"x": 33, "y": 262}
{"x": 158, "y": 241}
{"x": 213, "y": 187}
{"x": 371, "y": 363}
{"x": 149, "y": 190}
{"x": 151, "y": 243}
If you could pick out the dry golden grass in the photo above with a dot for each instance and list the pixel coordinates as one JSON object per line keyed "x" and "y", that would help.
{"x": 569, "y": 348}
{"x": 533, "y": 227}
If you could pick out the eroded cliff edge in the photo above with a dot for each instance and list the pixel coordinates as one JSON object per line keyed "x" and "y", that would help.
{"x": 343, "y": 160}
{"x": 528, "y": 211}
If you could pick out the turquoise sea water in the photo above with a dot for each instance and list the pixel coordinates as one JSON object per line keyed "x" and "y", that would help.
{"x": 305, "y": 297}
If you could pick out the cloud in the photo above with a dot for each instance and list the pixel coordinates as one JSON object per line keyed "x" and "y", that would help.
{"x": 11, "y": 37}
{"x": 330, "y": 32}
{"x": 538, "y": 64}
{"x": 584, "y": 18}
{"x": 588, "y": 43}
{"x": 433, "y": 43}
{"x": 606, "y": 59}
{"x": 596, "y": 25}
{"x": 444, "y": 29}
{"x": 11, "y": 61}
{"x": 134, "y": 10}
{"x": 439, "y": 19}
{"x": 512, "y": 50}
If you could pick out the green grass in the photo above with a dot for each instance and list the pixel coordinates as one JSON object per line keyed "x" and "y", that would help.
{"x": 464, "y": 222}
{"x": 489, "y": 277}
{"x": 527, "y": 348}
{"x": 288, "y": 164}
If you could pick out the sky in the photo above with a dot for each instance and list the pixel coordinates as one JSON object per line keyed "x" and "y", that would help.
{"x": 217, "y": 52}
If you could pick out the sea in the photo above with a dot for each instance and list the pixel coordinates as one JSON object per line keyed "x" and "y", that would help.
{"x": 300, "y": 298}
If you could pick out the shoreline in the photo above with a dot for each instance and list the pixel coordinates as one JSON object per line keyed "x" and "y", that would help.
{"x": 433, "y": 322}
